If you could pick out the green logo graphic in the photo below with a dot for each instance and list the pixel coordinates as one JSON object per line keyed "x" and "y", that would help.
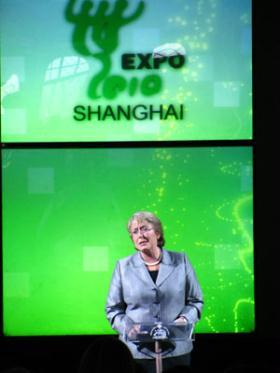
{"x": 103, "y": 23}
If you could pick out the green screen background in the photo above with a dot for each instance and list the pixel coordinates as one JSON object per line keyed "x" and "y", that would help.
{"x": 64, "y": 228}
{"x": 43, "y": 76}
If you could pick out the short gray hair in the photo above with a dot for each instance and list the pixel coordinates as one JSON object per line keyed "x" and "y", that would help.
{"x": 151, "y": 218}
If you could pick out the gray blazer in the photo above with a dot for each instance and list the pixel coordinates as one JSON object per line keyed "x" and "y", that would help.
{"x": 134, "y": 297}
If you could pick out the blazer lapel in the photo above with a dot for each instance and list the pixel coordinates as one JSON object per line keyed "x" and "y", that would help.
{"x": 141, "y": 271}
{"x": 166, "y": 267}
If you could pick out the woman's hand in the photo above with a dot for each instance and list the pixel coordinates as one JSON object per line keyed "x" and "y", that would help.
{"x": 181, "y": 320}
{"x": 133, "y": 331}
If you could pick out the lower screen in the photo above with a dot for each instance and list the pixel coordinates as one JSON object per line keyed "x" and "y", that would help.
{"x": 64, "y": 227}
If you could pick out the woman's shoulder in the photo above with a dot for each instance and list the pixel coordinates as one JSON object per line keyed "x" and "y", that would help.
{"x": 127, "y": 259}
{"x": 174, "y": 256}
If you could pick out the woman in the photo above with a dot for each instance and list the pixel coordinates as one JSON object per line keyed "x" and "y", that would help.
{"x": 153, "y": 285}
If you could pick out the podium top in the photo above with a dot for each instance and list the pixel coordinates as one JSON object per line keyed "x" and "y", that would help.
{"x": 159, "y": 331}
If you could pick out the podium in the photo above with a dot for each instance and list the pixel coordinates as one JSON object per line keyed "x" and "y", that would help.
{"x": 159, "y": 338}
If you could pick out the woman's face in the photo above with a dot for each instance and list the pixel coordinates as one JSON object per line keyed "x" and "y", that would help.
{"x": 143, "y": 235}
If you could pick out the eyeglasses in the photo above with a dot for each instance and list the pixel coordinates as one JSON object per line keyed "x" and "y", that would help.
{"x": 141, "y": 230}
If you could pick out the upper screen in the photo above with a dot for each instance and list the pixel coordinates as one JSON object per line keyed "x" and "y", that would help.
{"x": 87, "y": 70}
